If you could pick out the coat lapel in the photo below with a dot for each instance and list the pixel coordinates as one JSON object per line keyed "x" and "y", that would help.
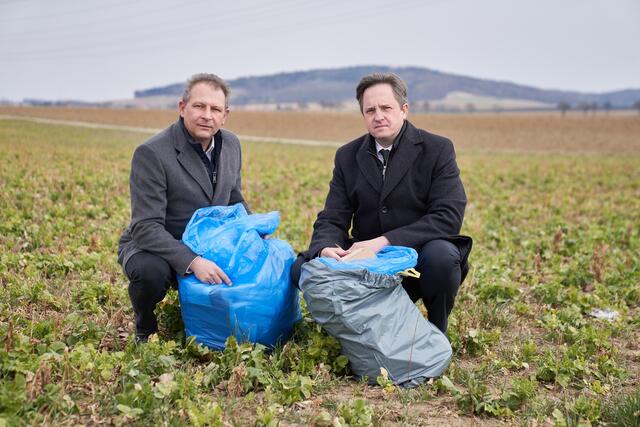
{"x": 190, "y": 161}
{"x": 223, "y": 172}
{"x": 407, "y": 152}
{"x": 368, "y": 165}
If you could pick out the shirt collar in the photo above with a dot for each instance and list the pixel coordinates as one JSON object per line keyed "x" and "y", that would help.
{"x": 380, "y": 147}
{"x": 209, "y": 150}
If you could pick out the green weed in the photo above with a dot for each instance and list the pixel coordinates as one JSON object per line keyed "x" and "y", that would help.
{"x": 555, "y": 237}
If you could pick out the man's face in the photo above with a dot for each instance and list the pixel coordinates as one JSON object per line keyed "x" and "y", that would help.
{"x": 205, "y": 112}
{"x": 383, "y": 115}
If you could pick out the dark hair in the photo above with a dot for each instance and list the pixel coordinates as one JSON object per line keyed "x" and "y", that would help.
{"x": 399, "y": 87}
{"x": 210, "y": 79}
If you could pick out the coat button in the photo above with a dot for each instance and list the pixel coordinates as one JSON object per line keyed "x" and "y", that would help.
{"x": 384, "y": 210}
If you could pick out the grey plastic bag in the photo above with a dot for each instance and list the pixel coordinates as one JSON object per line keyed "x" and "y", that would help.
{"x": 376, "y": 323}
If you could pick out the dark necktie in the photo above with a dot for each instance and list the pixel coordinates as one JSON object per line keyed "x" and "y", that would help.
{"x": 385, "y": 160}
{"x": 385, "y": 156}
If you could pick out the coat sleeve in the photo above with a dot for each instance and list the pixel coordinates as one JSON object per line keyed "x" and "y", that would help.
{"x": 148, "y": 185}
{"x": 334, "y": 221}
{"x": 445, "y": 206}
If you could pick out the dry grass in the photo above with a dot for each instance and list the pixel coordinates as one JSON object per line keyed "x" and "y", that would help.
{"x": 546, "y": 132}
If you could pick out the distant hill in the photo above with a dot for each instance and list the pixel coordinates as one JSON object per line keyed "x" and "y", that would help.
{"x": 428, "y": 89}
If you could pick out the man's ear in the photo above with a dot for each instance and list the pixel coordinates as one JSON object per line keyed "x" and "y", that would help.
{"x": 181, "y": 105}
{"x": 405, "y": 109}
{"x": 226, "y": 115}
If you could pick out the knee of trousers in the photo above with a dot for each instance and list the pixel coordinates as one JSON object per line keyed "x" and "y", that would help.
{"x": 440, "y": 261}
{"x": 151, "y": 278}
{"x": 296, "y": 270}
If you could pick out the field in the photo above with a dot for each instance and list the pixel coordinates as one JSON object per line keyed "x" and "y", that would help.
{"x": 553, "y": 209}
{"x": 602, "y": 133}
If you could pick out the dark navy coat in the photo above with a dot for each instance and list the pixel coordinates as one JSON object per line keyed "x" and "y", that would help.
{"x": 420, "y": 199}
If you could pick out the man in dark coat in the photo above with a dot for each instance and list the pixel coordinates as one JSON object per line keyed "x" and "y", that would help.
{"x": 397, "y": 185}
{"x": 192, "y": 164}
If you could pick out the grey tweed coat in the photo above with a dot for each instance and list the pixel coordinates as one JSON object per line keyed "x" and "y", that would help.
{"x": 168, "y": 183}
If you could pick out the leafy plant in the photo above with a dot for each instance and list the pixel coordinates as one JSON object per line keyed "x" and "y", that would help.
{"x": 355, "y": 414}
{"x": 555, "y": 238}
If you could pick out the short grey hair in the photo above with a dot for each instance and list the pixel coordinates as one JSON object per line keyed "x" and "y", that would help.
{"x": 210, "y": 79}
{"x": 398, "y": 86}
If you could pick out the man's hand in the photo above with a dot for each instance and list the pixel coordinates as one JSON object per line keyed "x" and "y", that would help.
{"x": 333, "y": 252}
{"x": 208, "y": 272}
{"x": 374, "y": 244}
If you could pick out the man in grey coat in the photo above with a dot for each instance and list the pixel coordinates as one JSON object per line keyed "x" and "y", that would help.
{"x": 192, "y": 164}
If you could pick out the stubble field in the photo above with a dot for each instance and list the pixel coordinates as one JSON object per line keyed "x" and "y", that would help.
{"x": 617, "y": 132}
{"x": 553, "y": 209}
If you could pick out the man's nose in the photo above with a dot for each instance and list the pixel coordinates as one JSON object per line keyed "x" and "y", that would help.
{"x": 208, "y": 113}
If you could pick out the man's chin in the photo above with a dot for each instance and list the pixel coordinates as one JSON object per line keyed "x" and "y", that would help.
{"x": 382, "y": 135}
{"x": 203, "y": 136}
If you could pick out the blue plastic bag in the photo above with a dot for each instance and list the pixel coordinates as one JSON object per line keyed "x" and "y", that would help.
{"x": 261, "y": 306}
{"x": 390, "y": 260}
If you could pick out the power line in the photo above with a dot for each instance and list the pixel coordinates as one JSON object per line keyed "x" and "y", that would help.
{"x": 137, "y": 41}
{"x": 104, "y": 6}
{"x": 144, "y": 13}
{"x": 206, "y": 20}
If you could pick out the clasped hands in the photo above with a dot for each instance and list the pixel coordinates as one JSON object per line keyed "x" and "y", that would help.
{"x": 337, "y": 252}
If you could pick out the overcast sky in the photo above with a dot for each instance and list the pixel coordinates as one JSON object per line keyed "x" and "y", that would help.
{"x": 101, "y": 50}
